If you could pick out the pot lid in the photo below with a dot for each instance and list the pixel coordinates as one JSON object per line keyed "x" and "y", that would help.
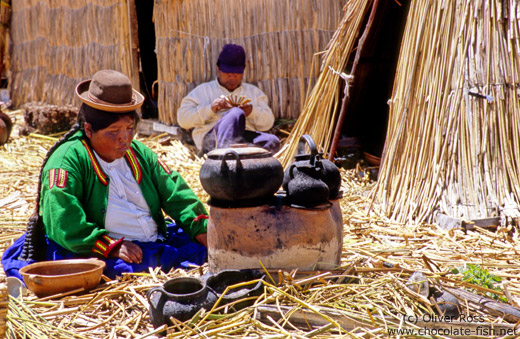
{"x": 243, "y": 150}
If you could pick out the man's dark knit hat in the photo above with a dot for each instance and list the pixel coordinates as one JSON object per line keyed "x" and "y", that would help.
{"x": 232, "y": 59}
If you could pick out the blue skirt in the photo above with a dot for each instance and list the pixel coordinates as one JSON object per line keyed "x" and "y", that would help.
{"x": 177, "y": 251}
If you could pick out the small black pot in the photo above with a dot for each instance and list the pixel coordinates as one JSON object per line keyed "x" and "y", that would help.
{"x": 179, "y": 298}
{"x": 218, "y": 283}
{"x": 304, "y": 187}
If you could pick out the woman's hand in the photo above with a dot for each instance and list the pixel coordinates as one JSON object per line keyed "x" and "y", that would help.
{"x": 202, "y": 238}
{"x": 129, "y": 252}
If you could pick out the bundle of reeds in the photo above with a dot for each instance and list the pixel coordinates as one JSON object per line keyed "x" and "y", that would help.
{"x": 48, "y": 119}
{"x": 280, "y": 38}
{"x": 56, "y": 44}
{"x": 320, "y": 110}
{"x": 453, "y": 135}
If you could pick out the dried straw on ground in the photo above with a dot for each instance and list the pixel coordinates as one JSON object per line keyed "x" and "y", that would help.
{"x": 368, "y": 290}
{"x": 452, "y": 142}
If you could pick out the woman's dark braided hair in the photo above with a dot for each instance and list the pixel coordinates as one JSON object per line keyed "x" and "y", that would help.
{"x": 34, "y": 245}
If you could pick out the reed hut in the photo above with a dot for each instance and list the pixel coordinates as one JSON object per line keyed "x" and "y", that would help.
{"x": 451, "y": 140}
{"x": 167, "y": 47}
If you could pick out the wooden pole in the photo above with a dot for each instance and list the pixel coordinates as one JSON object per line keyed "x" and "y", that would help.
{"x": 134, "y": 44}
{"x": 346, "y": 97}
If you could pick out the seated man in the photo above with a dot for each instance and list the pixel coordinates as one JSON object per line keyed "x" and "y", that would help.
{"x": 226, "y": 111}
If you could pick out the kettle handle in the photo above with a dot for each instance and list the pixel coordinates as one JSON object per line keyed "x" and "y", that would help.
{"x": 151, "y": 291}
{"x": 312, "y": 146}
{"x": 235, "y": 155}
{"x": 291, "y": 168}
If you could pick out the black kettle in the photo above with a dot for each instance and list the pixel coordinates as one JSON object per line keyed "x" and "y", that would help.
{"x": 315, "y": 166}
{"x": 304, "y": 186}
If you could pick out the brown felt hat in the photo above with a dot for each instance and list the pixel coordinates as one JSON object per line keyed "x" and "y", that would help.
{"x": 109, "y": 91}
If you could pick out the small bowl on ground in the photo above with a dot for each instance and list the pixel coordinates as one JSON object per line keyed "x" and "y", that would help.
{"x": 372, "y": 159}
{"x": 47, "y": 278}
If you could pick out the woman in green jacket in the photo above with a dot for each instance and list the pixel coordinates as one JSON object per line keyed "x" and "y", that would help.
{"x": 104, "y": 194}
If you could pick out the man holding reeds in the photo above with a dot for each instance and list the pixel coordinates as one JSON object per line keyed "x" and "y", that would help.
{"x": 226, "y": 110}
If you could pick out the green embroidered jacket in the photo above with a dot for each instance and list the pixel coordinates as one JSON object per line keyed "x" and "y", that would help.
{"x": 74, "y": 195}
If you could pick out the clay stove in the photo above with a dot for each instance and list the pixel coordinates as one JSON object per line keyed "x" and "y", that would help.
{"x": 275, "y": 235}
{"x": 253, "y": 224}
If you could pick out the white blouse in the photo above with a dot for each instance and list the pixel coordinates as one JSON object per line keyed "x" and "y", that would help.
{"x": 128, "y": 214}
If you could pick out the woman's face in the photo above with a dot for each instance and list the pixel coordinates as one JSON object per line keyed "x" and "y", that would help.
{"x": 112, "y": 142}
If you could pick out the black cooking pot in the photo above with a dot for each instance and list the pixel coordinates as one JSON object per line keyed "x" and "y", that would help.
{"x": 325, "y": 170}
{"x": 241, "y": 173}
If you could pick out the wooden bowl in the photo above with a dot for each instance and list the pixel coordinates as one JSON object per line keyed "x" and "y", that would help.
{"x": 47, "y": 278}
{"x": 4, "y": 308}
{"x": 372, "y": 159}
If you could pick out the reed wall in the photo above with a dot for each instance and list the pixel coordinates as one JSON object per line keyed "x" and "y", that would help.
{"x": 57, "y": 43}
{"x": 281, "y": 39}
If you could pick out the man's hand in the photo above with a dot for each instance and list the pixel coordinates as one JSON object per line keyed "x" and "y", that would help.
{"x": 218, "y": 104}
{"x": 247, "y": 108}
{"x": 129, "y": 252}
